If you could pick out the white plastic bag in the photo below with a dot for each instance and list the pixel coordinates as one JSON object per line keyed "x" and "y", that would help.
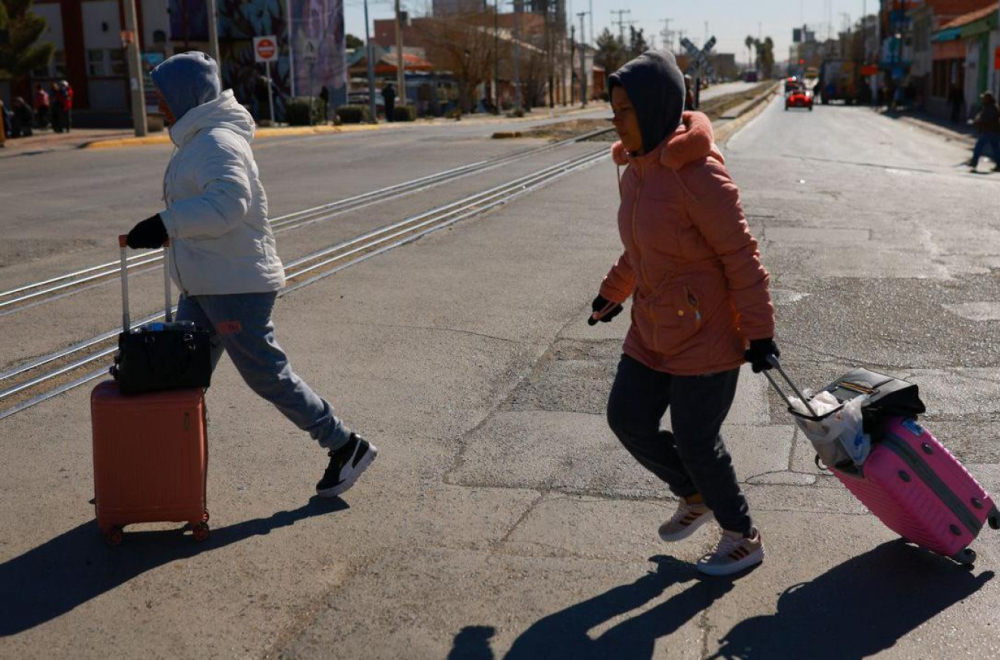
{"x": 840, "y": 436}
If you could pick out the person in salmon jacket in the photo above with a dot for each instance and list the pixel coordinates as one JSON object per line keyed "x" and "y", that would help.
{"x": 223, "y": 255}
{"x": 700, "y": 306}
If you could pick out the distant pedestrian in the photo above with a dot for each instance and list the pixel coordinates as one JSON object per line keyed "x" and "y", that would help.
{"x": 66, "y": 91}
{"x": 24, "y": 118}
{"x": 58, "y": 108}
{"x": 700, "y": 306}
{"x": 7, "y": 118}
{"x": 223, "y": 254}
{"x": 324, "y": 96}
{"x": 389, "y": 96}
{"x": 956, "y": 101}
{"x": 689, "y": 93}
{"x": 988, "y": 124}
{"x": 42, "y": 103}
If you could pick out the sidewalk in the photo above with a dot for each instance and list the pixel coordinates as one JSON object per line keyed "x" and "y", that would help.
{"x": 965, "y": 133}
{"x": 48, "y": 140}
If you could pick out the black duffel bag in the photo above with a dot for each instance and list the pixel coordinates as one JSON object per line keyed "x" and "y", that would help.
{"x": 163, "y": 356}
{"x": 160, "y": 356}
{"x": 887, "y": 397}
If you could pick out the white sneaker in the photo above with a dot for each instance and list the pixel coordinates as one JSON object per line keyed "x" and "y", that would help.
{"x": 685, "y": 521}
{"x": 734, "y": 553}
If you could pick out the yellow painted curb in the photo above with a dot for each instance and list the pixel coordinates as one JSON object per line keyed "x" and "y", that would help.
{"x": 262, "y": 133}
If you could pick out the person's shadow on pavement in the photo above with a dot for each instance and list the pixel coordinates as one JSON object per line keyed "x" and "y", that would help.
{"x": 77, "y": 566}
{"x": 563, "y": 635}
{"x": 856, "y": 609}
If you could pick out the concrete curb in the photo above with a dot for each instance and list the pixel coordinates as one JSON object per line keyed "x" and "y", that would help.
{"x": 747, "y": 114}
{"x": 262, "y": 134}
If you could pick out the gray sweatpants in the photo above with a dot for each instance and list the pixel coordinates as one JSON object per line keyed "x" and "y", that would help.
{"x": 692, "y": 459}
{"x": 240, "y": 325}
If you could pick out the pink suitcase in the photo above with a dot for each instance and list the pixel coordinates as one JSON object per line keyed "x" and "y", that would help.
{"x": 914, "y": 485}
{"x": 920, "y": 491}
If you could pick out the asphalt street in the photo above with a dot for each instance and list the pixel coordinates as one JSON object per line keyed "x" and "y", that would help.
{"x": 502, "y": 519}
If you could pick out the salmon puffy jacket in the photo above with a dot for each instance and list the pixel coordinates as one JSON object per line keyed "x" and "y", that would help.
{"x": 699, "y": 291}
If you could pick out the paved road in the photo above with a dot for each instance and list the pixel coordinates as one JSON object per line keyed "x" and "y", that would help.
{"x": 502, "y": 520}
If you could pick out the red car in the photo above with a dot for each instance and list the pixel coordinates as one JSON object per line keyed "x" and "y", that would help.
{"x": 799, "y": 98}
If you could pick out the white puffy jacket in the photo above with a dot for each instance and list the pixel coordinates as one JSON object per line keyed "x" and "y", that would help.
{"x": 220, "y": 238}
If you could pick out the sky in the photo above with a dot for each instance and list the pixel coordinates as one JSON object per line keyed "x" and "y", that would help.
{"x": 730, "y": 21}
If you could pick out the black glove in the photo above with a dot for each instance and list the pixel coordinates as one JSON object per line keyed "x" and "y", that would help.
{"x": 759, "y": 352}
{"x": 150, "y": 233}
{"x": 599, "y": 305}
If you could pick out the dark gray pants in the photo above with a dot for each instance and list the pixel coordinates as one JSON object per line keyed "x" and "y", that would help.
{"x": 692, "y": 459}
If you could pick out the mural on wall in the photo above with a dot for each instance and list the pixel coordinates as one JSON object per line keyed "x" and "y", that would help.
{"x": 320, "y": 22}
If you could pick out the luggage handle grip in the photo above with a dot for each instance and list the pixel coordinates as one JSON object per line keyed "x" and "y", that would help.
{"x": 123, "y": 246}
{"x": 773, "y": 360}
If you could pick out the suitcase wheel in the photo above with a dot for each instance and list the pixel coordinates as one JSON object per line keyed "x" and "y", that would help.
{"x": 200, "y": 532}
{"x": 115, "y": 536}
{"x": 994, "y": 520}
{"x": 966, "y": 557}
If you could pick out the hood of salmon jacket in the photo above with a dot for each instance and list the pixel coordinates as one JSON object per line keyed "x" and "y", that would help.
{"x": 655, "y": 86}
{"x": 223, "y": 112}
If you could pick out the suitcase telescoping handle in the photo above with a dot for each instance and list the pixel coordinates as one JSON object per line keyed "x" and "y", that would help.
{"x": 168, "y": 306}
{"x": 777, "y": 365}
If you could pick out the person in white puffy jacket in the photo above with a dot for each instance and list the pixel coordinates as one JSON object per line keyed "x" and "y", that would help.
{"x": 224, "y": 256}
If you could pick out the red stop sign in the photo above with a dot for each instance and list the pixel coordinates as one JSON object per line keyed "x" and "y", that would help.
{"x": 266, "y": 49}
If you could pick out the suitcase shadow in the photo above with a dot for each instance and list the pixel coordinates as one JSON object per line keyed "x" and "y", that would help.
{"x": 855, "y": 610}
{"x": 77, "y": 566}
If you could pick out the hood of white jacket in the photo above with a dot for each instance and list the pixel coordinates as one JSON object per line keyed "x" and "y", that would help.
{"x": 223, "y": 112}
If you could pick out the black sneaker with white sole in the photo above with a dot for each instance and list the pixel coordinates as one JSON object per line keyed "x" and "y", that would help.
{"x": 346, "y": 465}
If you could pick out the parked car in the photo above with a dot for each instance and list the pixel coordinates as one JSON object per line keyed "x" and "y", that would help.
{"x": 799, "y": 98}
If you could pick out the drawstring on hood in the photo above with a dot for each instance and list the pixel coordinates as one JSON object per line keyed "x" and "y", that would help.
{"x": 655, "y": 85}
{"x": 187, "y": 81}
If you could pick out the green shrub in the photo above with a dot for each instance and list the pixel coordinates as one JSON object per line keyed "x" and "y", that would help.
{"x": 353, "y": 114}
{"x": 404, "y": 113}
{"x": 297, "y": 112}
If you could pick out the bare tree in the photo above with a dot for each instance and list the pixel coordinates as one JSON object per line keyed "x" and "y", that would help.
{"x": 465, "y": 49}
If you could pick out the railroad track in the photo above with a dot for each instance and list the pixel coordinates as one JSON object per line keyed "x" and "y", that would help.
{"x": 38, "y": 293}
{"x": 51, "y": 375}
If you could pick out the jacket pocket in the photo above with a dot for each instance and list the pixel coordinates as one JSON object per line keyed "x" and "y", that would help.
{"x": 676, "y": 320}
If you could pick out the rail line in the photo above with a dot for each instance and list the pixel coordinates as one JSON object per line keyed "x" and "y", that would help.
{"x": 51, "y": 375}
{"x": 36, "y": 293}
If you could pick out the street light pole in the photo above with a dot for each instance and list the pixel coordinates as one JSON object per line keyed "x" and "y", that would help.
{"x": 291, "y": 48}
{"x": 135, "y": 70}
{"x": 400, "y": 66}
{"x": 213, "y": 32}
{"x": 517, "y": 55}
{"x": 583, "y": 62}
{"x": 496, "y": 55}
{"x": 369, "y": 52}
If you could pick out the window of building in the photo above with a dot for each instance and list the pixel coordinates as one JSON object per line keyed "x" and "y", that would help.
{"x": 118, "y": 67}
{"x": 95, "y": 63}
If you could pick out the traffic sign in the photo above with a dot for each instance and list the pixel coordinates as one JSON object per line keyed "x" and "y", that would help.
{"x": 310, "y": 52}
{"x": 265, "y": 49}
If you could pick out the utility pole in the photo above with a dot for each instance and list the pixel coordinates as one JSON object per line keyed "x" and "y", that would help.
{"x": 135, "y": 70}
{"x": 667, "y": 34}
{"x": 400, "y": 66}
{"x": 496, "y": 55}
{"x": 590, "y": 11}
{"x": 621, "y": 21}
{"x": 572, "y": 54}
{"x": 369, "y": 53}
{"x": 213, "y": 33}
{"x": 291, "y": 47}
{"x": 583, "y": 63}
{"x": 517, "y": 55}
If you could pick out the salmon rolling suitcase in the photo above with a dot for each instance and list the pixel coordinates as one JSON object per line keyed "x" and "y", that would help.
{"x": 150, "y": 451}
{"x": 909, "y": 480}
{"x": 150, "y": 459}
